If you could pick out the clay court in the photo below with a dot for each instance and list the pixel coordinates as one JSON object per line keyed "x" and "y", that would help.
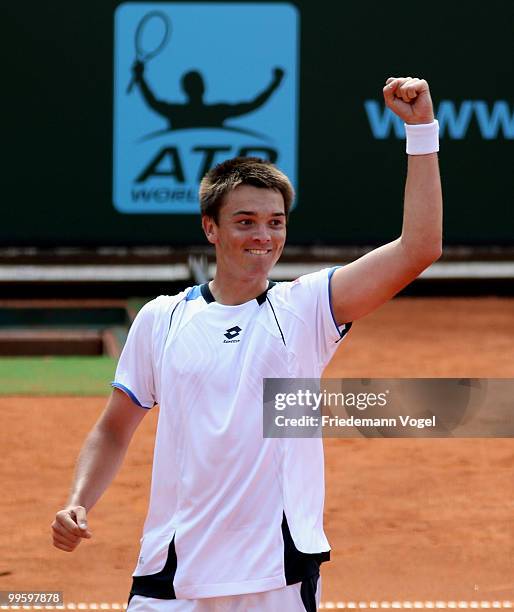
{"x": 424, "y": 519}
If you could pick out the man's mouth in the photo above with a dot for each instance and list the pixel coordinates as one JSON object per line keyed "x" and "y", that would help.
{"x": 258, "y": 251}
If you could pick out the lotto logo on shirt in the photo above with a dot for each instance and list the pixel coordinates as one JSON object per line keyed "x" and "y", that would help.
{"x": 195, "y": 84}
{"x": 232, "y": 333}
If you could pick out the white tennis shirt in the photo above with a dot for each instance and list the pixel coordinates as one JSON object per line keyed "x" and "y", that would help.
{"x": 220, "y": 491}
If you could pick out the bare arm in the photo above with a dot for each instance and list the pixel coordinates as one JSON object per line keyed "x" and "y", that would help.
{"x": 99, "y": 461}
{"x": 163, "y": 108}
{"x": 372, "y": 280}
{"x": 233, "y": 110}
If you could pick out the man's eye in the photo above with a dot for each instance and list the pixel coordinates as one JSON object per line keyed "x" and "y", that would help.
{"x": 245, "y": 222}
{"x": 276, "y": 222}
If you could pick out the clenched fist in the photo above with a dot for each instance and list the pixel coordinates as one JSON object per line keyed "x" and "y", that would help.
{"x": 69, "y": 527}
{"x": 409, "y": 98}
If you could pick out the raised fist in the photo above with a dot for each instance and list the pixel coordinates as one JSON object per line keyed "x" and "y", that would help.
{"x": 138, "y": 70}
{"x": 409, "y": 98}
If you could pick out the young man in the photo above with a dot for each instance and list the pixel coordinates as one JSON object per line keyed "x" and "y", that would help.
{"x": 235, "y": 520}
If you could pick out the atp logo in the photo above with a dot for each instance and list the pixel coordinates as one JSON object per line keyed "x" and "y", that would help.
{"x": 195, "y": 84}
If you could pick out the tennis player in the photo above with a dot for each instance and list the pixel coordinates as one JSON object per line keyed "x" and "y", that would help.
{"x": 235, "y": 521}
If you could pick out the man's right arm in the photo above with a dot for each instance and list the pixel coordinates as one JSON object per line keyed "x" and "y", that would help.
{"x": 157, "y": 105}
{"x": 99, "y": 461}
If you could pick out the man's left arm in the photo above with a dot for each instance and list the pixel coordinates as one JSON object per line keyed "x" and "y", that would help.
{"x": 367, "y": 283}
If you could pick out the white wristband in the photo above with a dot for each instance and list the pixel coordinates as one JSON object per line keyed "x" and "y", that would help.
{"x": 422, "y": 138}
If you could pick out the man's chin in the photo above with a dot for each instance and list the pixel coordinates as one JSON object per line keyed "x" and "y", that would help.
{"x": 261, "y": 268}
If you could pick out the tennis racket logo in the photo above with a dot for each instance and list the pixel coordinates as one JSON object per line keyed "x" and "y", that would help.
{"x": 151, "y": 36}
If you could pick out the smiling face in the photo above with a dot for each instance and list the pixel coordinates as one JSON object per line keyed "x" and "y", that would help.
{"x": 250, "y": 234}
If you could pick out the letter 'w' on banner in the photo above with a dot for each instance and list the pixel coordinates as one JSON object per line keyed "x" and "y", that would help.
{"x": 195, "y": 84}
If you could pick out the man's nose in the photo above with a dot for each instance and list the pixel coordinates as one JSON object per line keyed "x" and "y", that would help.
{"x": 262, "y": 233}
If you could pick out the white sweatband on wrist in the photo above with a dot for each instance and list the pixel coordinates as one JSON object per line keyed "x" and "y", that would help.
{"x": 422, "y": 138}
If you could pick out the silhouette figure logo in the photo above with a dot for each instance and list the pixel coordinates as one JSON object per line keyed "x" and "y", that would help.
{"x": 195, "y": 84}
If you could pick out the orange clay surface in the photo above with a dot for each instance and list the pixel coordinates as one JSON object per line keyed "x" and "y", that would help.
{"x": 407, "y": 519}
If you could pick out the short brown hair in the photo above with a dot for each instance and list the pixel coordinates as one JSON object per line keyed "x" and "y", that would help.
{"x": 225, "y": 177}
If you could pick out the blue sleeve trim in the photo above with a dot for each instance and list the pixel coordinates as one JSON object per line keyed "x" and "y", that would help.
{"x": 126, "y": 390}
{"x": 193, "y": 294}
{"x": 345, "y": 326}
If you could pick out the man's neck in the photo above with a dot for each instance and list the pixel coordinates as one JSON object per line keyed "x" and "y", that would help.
{"x": 234, "y": 291}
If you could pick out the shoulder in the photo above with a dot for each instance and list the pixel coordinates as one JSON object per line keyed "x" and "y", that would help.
{"x": 160, "y": 307}
{"x": 305, "y": 287}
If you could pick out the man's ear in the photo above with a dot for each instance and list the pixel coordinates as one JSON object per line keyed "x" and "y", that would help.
{"x": 210, "y": 228}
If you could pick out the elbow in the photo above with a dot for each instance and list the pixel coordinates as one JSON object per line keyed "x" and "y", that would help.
{"x": 422, "y": 258}
{"x": 106, "y": 433}
{"x": 429, "y": 256}
{"x": 433, "y": 253}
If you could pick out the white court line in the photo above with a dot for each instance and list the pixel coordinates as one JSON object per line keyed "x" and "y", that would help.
{"x": 326, "y": 605}
{"x": 408, "y": 605}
